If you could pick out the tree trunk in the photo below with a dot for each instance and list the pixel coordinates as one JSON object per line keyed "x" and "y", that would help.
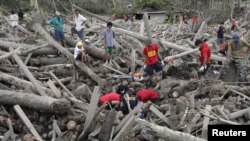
{"x": 29, "y": 100}
{"x": 101, "y": 82}
{"x": 20, "y": 83}
{"x": 107, "y": 126}
{"x": 29, "y": 75}
{"x": 166, "y": 133}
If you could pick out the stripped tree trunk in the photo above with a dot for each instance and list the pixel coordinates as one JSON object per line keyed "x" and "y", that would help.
{"x": 29, "y": 100}
{"x": 166, "y": 133}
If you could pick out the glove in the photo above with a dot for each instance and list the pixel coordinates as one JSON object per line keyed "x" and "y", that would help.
{"x": 202, "y": 68}
{"x": 162, "y": 63}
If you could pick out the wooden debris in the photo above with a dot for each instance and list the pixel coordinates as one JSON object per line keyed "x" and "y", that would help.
{"x": 27, "y": 122}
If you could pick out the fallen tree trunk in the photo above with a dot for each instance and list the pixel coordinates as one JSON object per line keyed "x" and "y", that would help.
{"x": 166, "y": 133}
{"x": 181, "y": 54}
{"x": 101, "y": 82}
{"x": 91, "y": 50}
{"x": 29, "y": 100}
{"x": 44, "y": 61}
{"x": 239, "y": 113}
{"x": 20, "y": 82}
{"x": 29, "y": 75}
{"x": 107, "y": 126}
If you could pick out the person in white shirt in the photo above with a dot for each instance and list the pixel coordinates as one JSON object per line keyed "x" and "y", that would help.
{"x": 79, "y": 52}
{"x": 78, "y": 27}
{"x": 14, "y": 22}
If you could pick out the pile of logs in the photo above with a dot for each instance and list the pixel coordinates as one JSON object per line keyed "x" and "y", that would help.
{"x": 46, "y": 95}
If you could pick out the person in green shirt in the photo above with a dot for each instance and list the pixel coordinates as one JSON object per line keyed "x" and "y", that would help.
{"x": 57, "y": 23}
{"x": 237, "y": 50}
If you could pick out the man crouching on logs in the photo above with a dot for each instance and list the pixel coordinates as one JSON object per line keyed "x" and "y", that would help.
{"x": 80, "y": 53}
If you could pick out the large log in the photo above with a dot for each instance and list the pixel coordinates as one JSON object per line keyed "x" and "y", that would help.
{"x": 29, "y": 75}
{"x": 32, "y": 101}
{"x": 107, "y": 126}
{"x": 91, "y": 50}
{"x": 20, "y": 82}
{"x": 44, "y": 61}
{"x": 166, "y": 133}
{"x": 101, "y": 82}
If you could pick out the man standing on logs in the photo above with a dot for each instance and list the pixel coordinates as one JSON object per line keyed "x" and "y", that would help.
{"x": 109, "y": 35}
{"x": 14, "y": 23}
{"x": 220, "y": 34}
{"x": 57, "y": 23}
{"x": 238, "y": 50}
{"x": 205, "y": 55}
{"x": 152, "y": 59}
{"x": 78, "y": 27}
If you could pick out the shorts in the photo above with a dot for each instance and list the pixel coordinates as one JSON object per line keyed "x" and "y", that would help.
{"x": 79, "y": 56}
{"x": 59, "y": 36}
{"x": 109, "y": 49}
{"x": 79, "y": 33}
{"x": 14, "y": 29}
{"x": 157, "y": 67}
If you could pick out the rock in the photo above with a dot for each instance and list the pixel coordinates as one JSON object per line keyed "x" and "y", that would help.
{"x": 71, "y": 125}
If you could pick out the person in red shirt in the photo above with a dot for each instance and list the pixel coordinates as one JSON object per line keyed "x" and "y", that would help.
{"x": 111, "y": 98}
{"x": 205, "y": 55}
{"x": 146, "y": 96}
{"x": 152, "y": 58}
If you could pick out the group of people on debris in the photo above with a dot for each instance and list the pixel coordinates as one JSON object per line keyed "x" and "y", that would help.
{"x": 235, "y": 49}
{"x": 78, "y": 26}
{"x": 195, "y": 21}
{"x": 125, "y": 100}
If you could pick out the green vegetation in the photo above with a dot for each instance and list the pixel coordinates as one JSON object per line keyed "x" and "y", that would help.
{"x": 154, "y": 4}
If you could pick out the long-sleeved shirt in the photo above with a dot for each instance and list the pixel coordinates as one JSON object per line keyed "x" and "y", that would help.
{"x": 109, "y": 34}
{"x": 57, "y": 22}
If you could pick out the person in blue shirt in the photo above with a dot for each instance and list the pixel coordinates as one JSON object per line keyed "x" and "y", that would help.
{"x": 57, "y": 23}
{"x": 109, "y": 35}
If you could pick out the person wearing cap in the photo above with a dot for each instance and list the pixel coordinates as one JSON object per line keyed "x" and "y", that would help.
{"x": 128, "y": 99}
{"x": 79, "y": 52}
{"x": 205, "y": 55}
{"x": 57, "y": 23}
{"x": 109, "y": 36}
{"x": 152, "y": 58}
{"x": 78, "y": 27}
{"x": 113, "y": 99}
{"x": 237, "y": 50}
